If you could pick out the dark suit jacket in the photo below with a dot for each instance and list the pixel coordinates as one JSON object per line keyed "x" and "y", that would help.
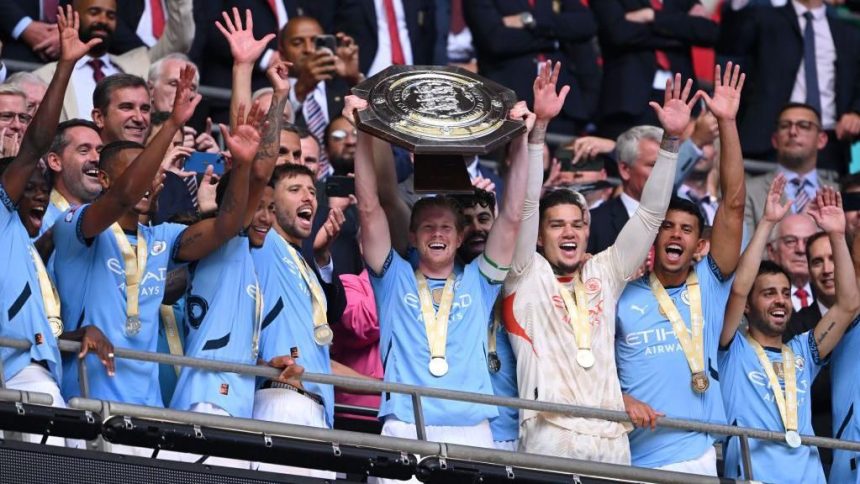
{"x": 607, "y": 220}
{"x": 13, "y": 12}
{"x": 335, "y": 91}
{"x": 509, "y": 56}
{"x": 772, "y": 43}
{"x": 357, "y": 18}
{"x": 629, "y": 62}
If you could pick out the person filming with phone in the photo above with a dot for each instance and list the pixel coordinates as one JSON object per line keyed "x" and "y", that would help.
{"x": 324, "y": 68}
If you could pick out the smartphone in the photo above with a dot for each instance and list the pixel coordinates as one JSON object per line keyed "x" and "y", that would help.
{"x": 565, "y": 157}
{"x": 339, "y": 186}
{"x": 199, "y": 160}
{"x": 325, "y": 42}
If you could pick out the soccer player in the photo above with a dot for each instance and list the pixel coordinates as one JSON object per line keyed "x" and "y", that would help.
{"x": 111, "y": 269}
{"x": 31, "y": 308}
{"x": 559, "y": 305}
{"x": 433, "y": 319}
{"x": 759, "y": 389}
{"x": 668, "y": 323}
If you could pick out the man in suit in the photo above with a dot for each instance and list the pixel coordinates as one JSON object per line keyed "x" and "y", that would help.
{"x": 821, "y": 69}
{"x": 643, "y": 42}
{"x": 28, "y": 30}
{"x": 787, "y": 247}
{"x": 512, "y": 37}
{"x": 797, "y": 141}
{"x": 415, "y": 37}
{"x": 98, "y": 20}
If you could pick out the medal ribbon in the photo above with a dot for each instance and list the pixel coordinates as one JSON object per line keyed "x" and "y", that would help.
{"x": 59, "y": 201}
{"x": 786, "y": 402}
{"x": 50, "y": 298}
{"x": 693, "y": 346}
{"x": 577, "y": 312}
{"x": 436, "y": 323}
{"x": 171, "y": 330}
{"x": 494, "y": 328}
{"x": 320, "y": 318}
{"x": 258, "y": 319}
{"x": 135, "y": 266}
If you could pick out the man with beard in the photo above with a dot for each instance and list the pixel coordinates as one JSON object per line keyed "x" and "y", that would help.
{"x": 557, "y": 300}
{"x": 340, "y": 143}
{"x": 303, "y": 300}
{"x": 797, "y": 139}
{"x": 767, "y": 382}
{"x": 31, "y": 307}
{"x": 98, "y": 21}
{"x": 683, "y": 300}
{"x": 111, "y": 269}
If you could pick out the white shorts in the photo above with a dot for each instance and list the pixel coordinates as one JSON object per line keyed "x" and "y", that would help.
{"x": 540, "y": 436}
{"x": 509, "y": 445}
{"x": 205, "y": 407}
{"x": 706, "y": 464}
{"x": 36, "y": 378}
{"x": 478, "y": 435}
{"x": 287, "y": 406}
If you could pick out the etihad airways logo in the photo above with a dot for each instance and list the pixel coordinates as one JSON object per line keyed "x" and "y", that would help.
{"x": 151, "y": 283}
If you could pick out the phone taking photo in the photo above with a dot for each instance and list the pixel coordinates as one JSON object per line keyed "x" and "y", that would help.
{"x": 199, "y": 160}
{"x": 325, "y": 42}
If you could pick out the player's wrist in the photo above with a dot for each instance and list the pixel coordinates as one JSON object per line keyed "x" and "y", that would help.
{"x": 670, "y": 143}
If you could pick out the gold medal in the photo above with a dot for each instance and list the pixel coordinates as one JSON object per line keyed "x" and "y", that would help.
{"x": 692, "y": 340}
{"x": 577, "y": 312}
{"x": 56, "y": 326}
{"x": 585, "y": 357}
{"x": 786, "y": 400}
{"x": 323, "y": 335}
{"x": 436, "y": 322}
{"x": 135, "y": 267}
{"x": 700, "y": 382}
{"x": 493, "y": 362}
{"x": 132, "y": 325}
{"x": 438, "y": 366}
{"x": 317, "y": 297}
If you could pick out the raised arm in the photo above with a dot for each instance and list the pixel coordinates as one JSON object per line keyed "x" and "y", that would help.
{"x": 396, "y": 211}
{"x": 127, "y": 190}
{"x": 502, "y": 237}
{"x": 200, "y": 239}
{"x": 729, "y": 220}
{"x": 375, "y": 238}
{"x": 40, "y": 133}
{"x": 245, "y": 51}
{"x": 828, "y": 214}
{"x": 751, "y": 258}
{"x": 547, "y": 105}
{"x": 636, "y": 237}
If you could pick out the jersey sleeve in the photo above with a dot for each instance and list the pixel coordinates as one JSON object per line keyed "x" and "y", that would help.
{"x": 715, "y": 290}
{"x": 9, "y": 209}
{"x": 385, "y": 282}
{"x": 171, "y": 233}
{"x": 68, "y": 237}
{"x": 805, "y": 346}
{"x": 489, "y": 287}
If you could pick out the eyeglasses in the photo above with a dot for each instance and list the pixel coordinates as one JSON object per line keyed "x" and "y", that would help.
{"x": 791, "y": 241}
{"x": 803, "y": 125}
{"x": 8, "y": 117}
{"x": 341, "y": 134}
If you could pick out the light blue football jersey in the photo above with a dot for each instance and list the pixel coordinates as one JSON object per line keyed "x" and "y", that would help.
{"x": 405, "y": 351}
{"x": 288, "y": 319}
{"x": 23, "y": 313}
{"x": 220, "y": 324}
{"x": 653, "y": 369}
{"x": 749, "y": 402}
{"x": 91, "y": 282}
{"x": 844, "y": 368}
{"x": 506, "y": 426}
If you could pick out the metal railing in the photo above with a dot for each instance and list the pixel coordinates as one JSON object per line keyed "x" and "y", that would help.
{"x": 418, "y": 392}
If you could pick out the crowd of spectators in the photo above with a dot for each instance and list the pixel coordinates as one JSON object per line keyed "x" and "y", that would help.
{"x": 101, "y": 101}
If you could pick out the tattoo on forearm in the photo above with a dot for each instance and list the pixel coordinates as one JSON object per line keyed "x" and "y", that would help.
{"x": 538, "y": 134}
{"x": 826, "y": 332}
{"x": 271, "y": 134}
{"x": 672, "y": 144}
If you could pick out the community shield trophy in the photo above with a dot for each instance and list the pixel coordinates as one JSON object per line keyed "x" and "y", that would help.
{"x": 441, "y": 114}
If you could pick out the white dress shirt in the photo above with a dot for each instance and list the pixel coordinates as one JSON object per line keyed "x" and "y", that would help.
{"x": 825, "y": 64}
{"x": 144, "y": 27}
{"x": 630, "y": 204}
{"x": 383, "y": 47}
{"x": 85, "y": 84}
{"x": 318, "y": 94}
{"x": 795, "y": 301}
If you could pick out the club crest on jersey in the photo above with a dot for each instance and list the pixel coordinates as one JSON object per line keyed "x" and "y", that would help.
{"x": 70, "y": 214}
{"x": 685, "y": 296}
{"x": 158, "y": 247}
{"x": 799, "y": 362}
{"x": 592, "y": 286}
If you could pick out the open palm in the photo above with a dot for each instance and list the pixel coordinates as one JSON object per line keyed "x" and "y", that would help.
{"x": 548, "y": 103}
{"x": 243, "y": 46}
{"x": 186, "y": 98}
{"x": 71, "y": 46}
{"x": 774, "y": 211}
{"x": 727, "y": 92}
{"x": 674, "y": 114}
{"x": 827, "y": 211}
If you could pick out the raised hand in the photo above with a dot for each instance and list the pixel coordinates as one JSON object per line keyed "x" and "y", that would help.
{"x": 326, "y": 237}
{"x": 674, "y": 114}
{"x": 244, "y": 141}
{"x": 187, "y": 98}
{"x": 774, "y": 211}
{"x": 278, "y": 74}
{"x": 244, "y": 48}
{"x": 207, "y": 191}
{"x": 727, "y": 92}
{"x": 827, "y": 211}
{"x": 346, "y": 62}
{"x": 548, "y": 103}
{"x": 71, "y": 46}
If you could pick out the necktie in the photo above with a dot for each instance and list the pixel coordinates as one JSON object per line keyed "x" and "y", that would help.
{"x": 273, "y": 6}
{"x": 315, "y": 121}
{"x": 98, "y": 73}
{"x": 458, "y": 23}
{"x": 801, "y": 198}
{"x": 191, "y": 183}
{"x": 662, "y": 58}
{"x": 49, "y": 11}
{"x": 803, "y": 296}
{"x": 813, "y": 95}
{"x": 157, "y": 18}
{"x": 397, "y": 57}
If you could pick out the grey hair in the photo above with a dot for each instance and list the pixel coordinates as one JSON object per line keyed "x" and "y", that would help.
{"x": 9, "y": 89}
{"x": 23, "y": 77}
{"x": 627, "y": 145}
{"x": 155, "y": 67}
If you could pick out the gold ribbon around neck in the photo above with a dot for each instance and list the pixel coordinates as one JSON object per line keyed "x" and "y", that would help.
{"x": 50, "y": 298}
{"x": 577, "y": 312}
{"x": 786, "y": 401}
{"x": 322, "y": 332}
{"x": 436, "y": 322}
{"x": 135, "y": 268}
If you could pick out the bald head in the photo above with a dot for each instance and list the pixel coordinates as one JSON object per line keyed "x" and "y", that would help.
{"x": 296, "y": 41}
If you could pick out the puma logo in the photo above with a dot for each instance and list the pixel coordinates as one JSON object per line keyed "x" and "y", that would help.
{"x": 640, "y": 310}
